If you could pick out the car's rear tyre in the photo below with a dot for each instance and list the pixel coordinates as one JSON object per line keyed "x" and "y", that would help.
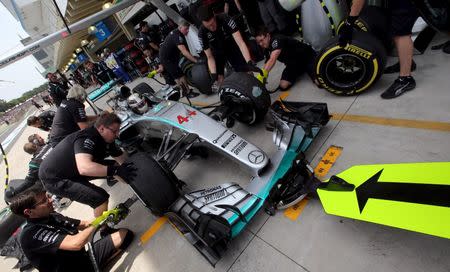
{"x": 245, "y": 89}
{"x": 352, "y": 69}
{"x": 153, "y": 184}
{"x": 9, "y": 222}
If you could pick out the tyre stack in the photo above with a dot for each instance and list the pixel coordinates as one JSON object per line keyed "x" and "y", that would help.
{"x": 137, "y": 58}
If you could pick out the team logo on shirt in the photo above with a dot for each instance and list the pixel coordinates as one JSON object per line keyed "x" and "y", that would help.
{"x": 232, "y": 24}
{"x": 81, "y": 113}
{"x": 88, "y": 144}
{"x": 274, "y": 43}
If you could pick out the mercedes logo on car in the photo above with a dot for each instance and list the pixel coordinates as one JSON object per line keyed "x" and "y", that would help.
{"x": 256, "y": 157}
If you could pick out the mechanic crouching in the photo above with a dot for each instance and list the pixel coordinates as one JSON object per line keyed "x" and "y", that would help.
{"x": 222, "y": 42}
{"x": 297, "y": 56}
{"x": 171, "y": 51}
{"x": 66, "y": 171}
{"x": 53, "y": 242}
{"x": 43, "y": 121}
{"x": 70, "y": 116}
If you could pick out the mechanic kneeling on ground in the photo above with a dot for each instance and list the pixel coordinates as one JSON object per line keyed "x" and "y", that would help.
{"x": 43, "y": 121}
{"x": 53, "y": 242}
{"x": 70, "y": 116}
{"x": 297, "y": 56}
{"x": 171, "y": 51}
{"x": 222, "y": 41}
{"x": 66, "y": 171}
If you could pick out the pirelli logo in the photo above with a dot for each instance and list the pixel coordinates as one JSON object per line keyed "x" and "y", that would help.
{"x": 358, "y": 51}
{"x": 361, "y": 25}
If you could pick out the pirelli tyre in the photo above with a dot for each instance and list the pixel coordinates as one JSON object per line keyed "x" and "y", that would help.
{"x": 9, "y": 223}
{"x": 154, "y": 184}
{"x": 352, "y": 69}
{"x": 243, "y": 89}
{"x": 197, "y": 75}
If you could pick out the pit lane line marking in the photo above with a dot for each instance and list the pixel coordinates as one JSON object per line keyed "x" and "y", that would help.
{"x": 153, "y": 229}
{"x": 327, "y": 161}
{"x": 419, "y": 124}
{"x": 283, "y": 95}
{"x": 322, "y": 168}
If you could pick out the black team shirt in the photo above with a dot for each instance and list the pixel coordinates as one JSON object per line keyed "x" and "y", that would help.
{"x": 169, "y": 48}
{"x": 220, "y": 39}
{"x": 68, "y": 115}
{"x": 40, "y": 240}
{"x": 61, "y": 164}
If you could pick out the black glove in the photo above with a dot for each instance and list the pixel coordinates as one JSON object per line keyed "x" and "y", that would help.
{"x": 214, "y": 76}
{"x": 127, "y": 171}
{"x": 346, "y": 31}
{"x": 251, "y": 66}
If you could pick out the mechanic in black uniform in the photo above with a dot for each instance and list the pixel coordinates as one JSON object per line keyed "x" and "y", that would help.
{"x": 297, "y": 56}
{"x": 70, "y": 116}
{"x": 43, "y": 121}
{"x": 36, "y": 139}
{"x": 100, "y": 74}
{"x": 39, "y": 152}
{"x": 53, "y": 242}
{"x": 57, "y": 89}
{"x": 403, "y": 15}
{"x": 222, "y": 41}
{"x": 155, "y": 66}
{"x": 81, "y": 156}
{"x": 172, "y": 50}
{"x": 148, "y": 36}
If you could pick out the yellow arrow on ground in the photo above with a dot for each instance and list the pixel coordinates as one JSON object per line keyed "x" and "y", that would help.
{"x": 411, "y": 196}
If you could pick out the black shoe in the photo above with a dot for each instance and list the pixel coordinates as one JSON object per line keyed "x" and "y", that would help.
{"x": 400, "y": 86}
{"x": 395, "y": 68}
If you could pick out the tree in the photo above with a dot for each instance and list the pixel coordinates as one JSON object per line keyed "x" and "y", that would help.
{"x": 4, "y": 105}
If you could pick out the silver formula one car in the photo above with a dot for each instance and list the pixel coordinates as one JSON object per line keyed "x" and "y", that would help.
{"x": 160, "y": 133}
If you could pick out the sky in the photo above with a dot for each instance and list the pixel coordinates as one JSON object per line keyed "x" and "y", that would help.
{"x": 21, "y": 76}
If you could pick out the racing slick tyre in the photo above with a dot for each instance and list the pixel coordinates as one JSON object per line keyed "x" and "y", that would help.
{"x": 9, "y": 222}
{"x": 435, "y": 12}
{"x": 197, "y": 75}
{"x": 154, "y": 185}
{"x": 245, "y": 91}
{"x": 143, "y": 88}
{"x": 352, "y": 69}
